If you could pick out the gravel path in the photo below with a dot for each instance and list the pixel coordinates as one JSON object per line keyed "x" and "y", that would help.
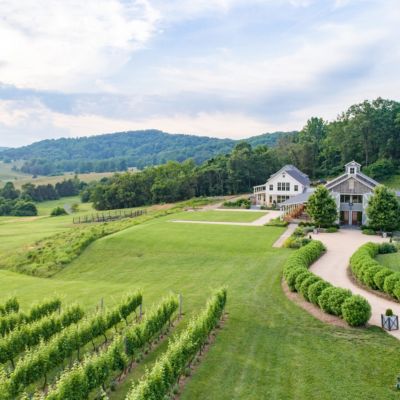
{"x": 333, "y": 265}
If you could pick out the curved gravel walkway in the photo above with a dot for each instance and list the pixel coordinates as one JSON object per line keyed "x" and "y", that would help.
{"x": 332, "y": 266}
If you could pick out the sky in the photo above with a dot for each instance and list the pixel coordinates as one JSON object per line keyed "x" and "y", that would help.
{"x": 222, "y": 68}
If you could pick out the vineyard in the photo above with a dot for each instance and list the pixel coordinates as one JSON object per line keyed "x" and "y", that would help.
{"x": 54, "y": 353}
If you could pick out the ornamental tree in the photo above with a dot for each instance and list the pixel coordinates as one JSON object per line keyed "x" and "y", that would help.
{"x": 383, "y": 209}
{"x": 321, "y": 207}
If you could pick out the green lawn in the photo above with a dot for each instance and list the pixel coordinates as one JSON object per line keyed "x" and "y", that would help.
{"x": 391, "y": 260}
{"x": 16, "y": 232}
{"x": 269, "y": 347}
{"x": 220, "y": 216}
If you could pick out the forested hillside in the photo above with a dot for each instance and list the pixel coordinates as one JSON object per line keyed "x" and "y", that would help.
{"x": 117, "y": 151}
{"x": 368, "y": 133}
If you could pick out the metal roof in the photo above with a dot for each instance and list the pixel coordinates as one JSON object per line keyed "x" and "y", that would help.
{"x": 298, "y": 199}
{"x": 295, "y": 173}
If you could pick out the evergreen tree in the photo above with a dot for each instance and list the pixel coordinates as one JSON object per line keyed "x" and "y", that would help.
{"x": 383, "y": 209}
{"x": 321, "y": 207}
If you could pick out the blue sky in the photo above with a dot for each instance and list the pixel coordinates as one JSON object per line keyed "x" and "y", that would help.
{"x": 223, "y": 68}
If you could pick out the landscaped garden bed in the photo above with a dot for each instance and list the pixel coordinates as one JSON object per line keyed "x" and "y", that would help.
{"x": 354, "y": 309}
{"x": 370, "y": 273}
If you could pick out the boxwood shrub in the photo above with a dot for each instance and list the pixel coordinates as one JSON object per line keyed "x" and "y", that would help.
{"x": 356, "y": 310}
{"x": 370, "y": 272}
{"x": 301, "y": 278}
{"x": 380, "y": 277}
{"x": 316, "y": 289}
{"x": 306, "y": 284}
{"x": 390, "y": 282}
{"x": 319, "y": 292}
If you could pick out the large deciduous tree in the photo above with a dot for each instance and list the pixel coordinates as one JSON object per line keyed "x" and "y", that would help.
{"x": 321, "y": 207}
{"x": 383, "y": 209}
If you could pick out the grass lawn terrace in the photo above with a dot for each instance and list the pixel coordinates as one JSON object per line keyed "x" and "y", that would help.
{"x": 220, "y": 216}
{"x": 269, "y": 348}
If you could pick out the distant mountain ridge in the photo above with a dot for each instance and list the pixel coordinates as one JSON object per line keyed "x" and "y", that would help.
{"x": 116, "y": 151}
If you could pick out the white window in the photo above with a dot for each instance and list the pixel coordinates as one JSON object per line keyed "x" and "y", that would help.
{"x": 279, "y": 186}
{"x": 271, "y": 187}
{"x": 287, "y": 186}
{"x": 351, "y": 170}
{"x": 296, "y": 188}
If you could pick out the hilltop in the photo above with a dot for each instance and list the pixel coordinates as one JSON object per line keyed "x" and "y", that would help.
{"x": 117, "y": 151}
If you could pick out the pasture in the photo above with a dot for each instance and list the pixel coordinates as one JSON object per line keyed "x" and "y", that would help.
{"x": 269, "y": 348}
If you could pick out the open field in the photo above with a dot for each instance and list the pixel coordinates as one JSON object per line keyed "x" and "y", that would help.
{"x": 44, "y": 180}
{"x": 18, "y": 231}
{"x": 20, "y": 178}
{"x": 269, "y": 347}
{"x": 391, "y": 260}
{"x": 220, "y": 216}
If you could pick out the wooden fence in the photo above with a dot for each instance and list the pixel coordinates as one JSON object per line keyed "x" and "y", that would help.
{"x": 110, "y": 216}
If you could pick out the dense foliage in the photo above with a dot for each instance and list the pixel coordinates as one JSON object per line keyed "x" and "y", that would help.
{"x": 20, "y": 202}
{"x": 383, "y": 209}
{"x": 11, "y": 321}
{"x": 38, "y": 363}
{"x": 236, "y": 172}
{"x": 369, "y": 272}
{"x": 117, "y": 151}
{"x": 97, "y": 369}
{"x": 10, "y": 306}
{"x": 158, "y": 383}
{"x": 333, "y": 300}
{"x": 321, "y": 207}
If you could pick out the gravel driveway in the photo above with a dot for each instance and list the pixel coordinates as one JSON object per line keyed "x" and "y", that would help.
{"x": 332, "y": 266}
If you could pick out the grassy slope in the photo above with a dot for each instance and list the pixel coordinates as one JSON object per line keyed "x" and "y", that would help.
{"x": 18, "y": 231}
{"x": 220, "y": 216}
{"x": 391, "y": 261}
{"x": 269, "y": 347}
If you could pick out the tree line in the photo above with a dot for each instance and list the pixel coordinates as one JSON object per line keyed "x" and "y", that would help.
{"x": 233, "y": 173}
{"x": 17, "y": 202}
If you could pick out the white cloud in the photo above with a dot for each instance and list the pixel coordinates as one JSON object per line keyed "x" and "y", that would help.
{"x": 68, "y": 45}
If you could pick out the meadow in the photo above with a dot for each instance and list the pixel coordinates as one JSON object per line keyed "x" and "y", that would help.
{"x": 269, "y": 348}
{"x": 19, "y": 178}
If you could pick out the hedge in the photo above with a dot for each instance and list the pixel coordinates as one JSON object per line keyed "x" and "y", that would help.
{"x": 371, "y": 273}
{"x": 355, "y": 310}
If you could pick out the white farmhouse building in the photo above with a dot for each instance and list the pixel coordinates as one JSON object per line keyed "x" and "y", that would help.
{"x": 351, "y": 192}
{"x": 288, "y": 182}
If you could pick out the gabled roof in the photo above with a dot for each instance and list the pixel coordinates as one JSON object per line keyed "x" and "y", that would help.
{"x": 353, "y": 163}
{"x": 295, "y": 173}
{"x": 359, "y": 176}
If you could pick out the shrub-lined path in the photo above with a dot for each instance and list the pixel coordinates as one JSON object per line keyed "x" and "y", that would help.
{"x": 333, "y": 267}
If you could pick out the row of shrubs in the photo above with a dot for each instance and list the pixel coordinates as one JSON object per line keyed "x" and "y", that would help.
{"x": 354, "y": 309}
{"x": 369, "y": 272}
{"x": 240, "y": 203}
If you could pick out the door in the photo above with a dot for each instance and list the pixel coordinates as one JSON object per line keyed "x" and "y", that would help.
{"x": 356, "y": 218}
{"x": 344, "y": 216}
